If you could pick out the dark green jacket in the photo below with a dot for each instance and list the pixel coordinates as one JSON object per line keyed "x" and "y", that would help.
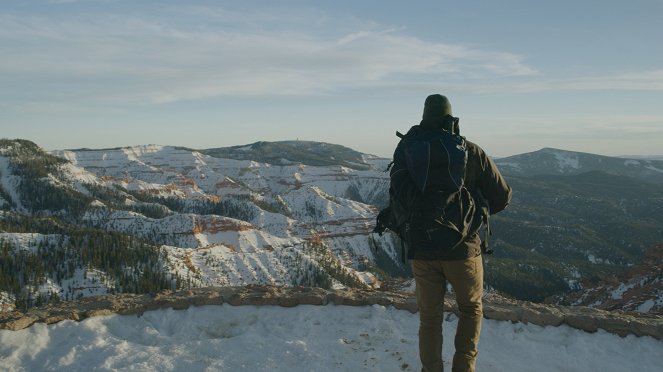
{"x": 481, "y": 176}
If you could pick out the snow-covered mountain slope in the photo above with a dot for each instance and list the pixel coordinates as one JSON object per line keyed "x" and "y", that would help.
{"x": 281, "y": 205}
{"x": 639, "y": 289}
{"x": 210, "y": 220}
{"x": 549, "y": 161}
{"x": 218, "y": 221}
{"x": 80, "y": 283}
{"x": 155, "y": 167}
{"x": 9, "y": 194}
{"x": 309, "y": 194}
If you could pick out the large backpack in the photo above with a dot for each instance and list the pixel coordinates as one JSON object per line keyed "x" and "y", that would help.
{"x": 430, "y": 219}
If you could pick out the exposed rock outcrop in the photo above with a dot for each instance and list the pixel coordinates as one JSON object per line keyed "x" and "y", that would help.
{"x": 497, "y": 308}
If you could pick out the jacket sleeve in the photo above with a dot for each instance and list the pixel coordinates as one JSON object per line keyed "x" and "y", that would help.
{"x": 491, "y": 183}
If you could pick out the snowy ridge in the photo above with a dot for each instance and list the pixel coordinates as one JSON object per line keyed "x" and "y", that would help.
{"x": 284, "y": 217}
{"x": 551, "y": 161}
{"x": 283, "y": 206}
{"x": 203, "y": 173}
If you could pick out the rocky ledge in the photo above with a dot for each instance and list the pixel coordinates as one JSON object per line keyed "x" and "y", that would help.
{"x": 498, "y": 308}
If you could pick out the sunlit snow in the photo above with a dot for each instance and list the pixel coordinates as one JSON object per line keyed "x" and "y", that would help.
{"x": 305, "y": 338}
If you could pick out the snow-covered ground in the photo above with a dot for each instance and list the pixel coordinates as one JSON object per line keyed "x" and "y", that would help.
{"x": 305, "y": 338}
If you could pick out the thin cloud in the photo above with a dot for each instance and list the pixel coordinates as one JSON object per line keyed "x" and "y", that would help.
{"x": 116, "y": 59}
{"x": 645, "y": 80}
{"x": 578, "y": 125}
{"x": 628, "y": 81}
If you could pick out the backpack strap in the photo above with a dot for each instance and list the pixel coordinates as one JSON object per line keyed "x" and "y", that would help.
{"x": 487, "y": 232}
{"x": 401, "y": 136}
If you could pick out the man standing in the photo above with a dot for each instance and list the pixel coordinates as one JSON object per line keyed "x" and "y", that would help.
{"x": 437, "y": 176}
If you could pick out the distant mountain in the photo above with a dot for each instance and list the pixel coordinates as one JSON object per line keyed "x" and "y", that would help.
{"x": 560, "y": 230}
{"x": 294, "y": 152}
{"x": 549, "y": 161}
{"x": 574, "y": 215}
{"x": 297, "y": 213}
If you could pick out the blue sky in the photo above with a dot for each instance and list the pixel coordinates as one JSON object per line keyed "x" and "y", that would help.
{"x": 521, "y": 75}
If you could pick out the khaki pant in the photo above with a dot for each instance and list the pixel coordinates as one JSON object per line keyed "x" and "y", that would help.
{"x": 466, "y": 278}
